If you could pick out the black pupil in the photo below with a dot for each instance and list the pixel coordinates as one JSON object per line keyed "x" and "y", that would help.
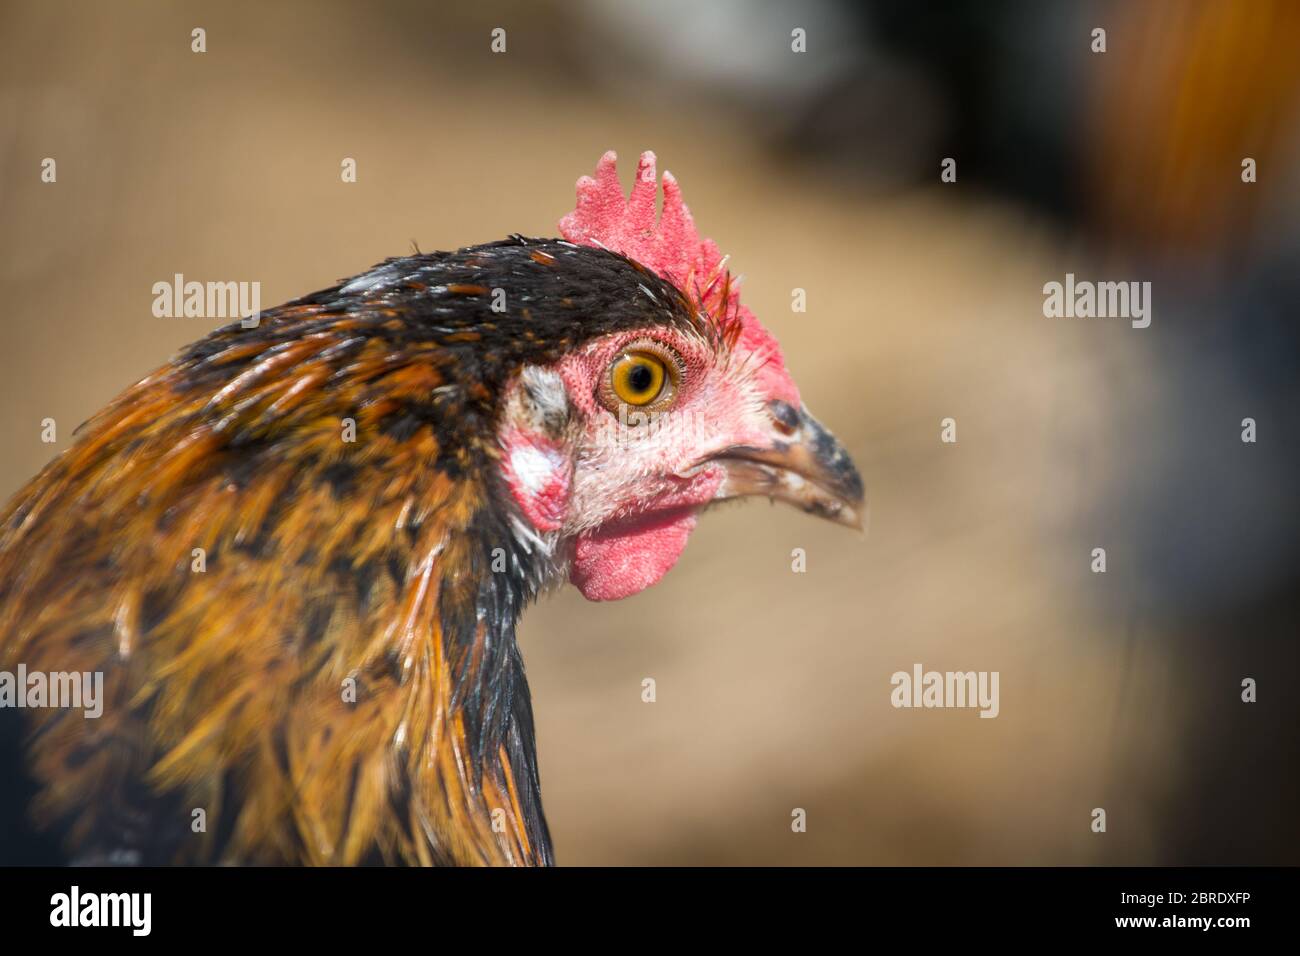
{"x": 641, "y": 378}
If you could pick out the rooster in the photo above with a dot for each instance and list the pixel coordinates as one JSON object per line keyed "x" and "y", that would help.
{"x": 298, "y": 552}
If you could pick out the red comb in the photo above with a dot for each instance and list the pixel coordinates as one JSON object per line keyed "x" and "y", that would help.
{"x": 673, "y": 248}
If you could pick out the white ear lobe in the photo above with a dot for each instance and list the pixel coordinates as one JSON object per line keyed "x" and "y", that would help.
{"x": 535, "y": 468}
{"x": 545, "y": 400}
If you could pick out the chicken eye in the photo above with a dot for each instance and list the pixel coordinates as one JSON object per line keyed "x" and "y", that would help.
{"x": 645, "y": 374}
{"x": 638, "y": 378}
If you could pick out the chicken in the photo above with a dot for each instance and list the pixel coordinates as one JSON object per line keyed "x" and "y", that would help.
{"x": 298, "y": 552}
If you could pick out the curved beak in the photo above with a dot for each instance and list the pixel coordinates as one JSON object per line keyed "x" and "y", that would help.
{"x": 804, "y": 465}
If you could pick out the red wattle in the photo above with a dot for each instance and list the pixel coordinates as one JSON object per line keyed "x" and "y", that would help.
{"x": 619, "y": 559}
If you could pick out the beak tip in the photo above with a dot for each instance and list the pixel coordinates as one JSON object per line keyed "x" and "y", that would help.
{"x": 839, "y": 510}
{"x": 854, "y": 517}
{"x": 805, "y": 467}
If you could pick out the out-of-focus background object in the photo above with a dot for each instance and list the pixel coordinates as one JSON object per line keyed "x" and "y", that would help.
{"x": 816, "y": 171}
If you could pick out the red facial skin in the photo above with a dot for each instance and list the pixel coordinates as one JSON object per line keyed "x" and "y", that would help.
{"x": 631, "y": 493}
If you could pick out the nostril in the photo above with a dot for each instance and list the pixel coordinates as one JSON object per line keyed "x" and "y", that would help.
{"x": 786, "y": 416}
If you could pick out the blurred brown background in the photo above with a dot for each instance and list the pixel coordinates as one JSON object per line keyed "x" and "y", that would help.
{"x": 817, "y": 171}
